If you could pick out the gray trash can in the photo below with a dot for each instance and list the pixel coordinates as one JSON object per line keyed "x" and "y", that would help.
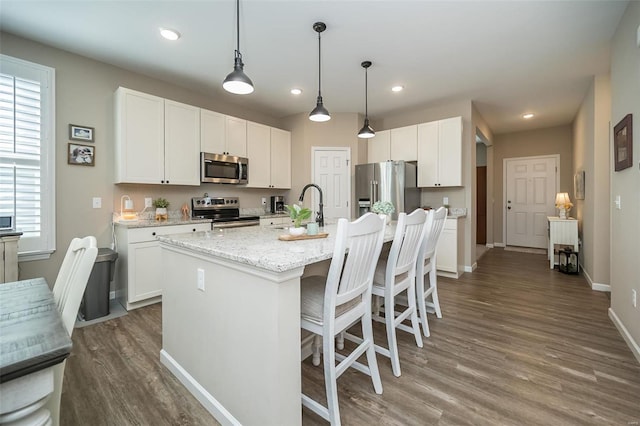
{"x": 95, "y": 302}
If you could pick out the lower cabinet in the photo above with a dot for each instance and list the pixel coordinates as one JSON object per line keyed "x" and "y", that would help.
{"x": 138, "y": 280}
{"x": 9, "y": 258}
{"x": 275, "y": 220}
{"x": 449, "y": 254}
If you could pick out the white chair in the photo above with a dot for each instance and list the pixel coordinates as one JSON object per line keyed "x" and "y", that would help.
{"x": 330, "y": 305}
{"x": 67, "y": 292}
{"x": 395, "y": 275}
{"x": 426, "y": 264}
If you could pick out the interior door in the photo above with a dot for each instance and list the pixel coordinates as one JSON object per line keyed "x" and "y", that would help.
{"x": 331, "y": 173}
{"x": 481, "y": 205}
{"x": 531, "y": 184}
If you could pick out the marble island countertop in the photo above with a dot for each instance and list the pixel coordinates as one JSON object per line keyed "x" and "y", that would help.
{"x": 258, "y": 246}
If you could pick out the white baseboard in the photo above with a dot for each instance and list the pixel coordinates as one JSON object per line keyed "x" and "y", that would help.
{"x": 211, "y": 404}
{"x": 489, "y": 245}
{"x": 594, "y": 286}
{"x": 499, "y": 244}
{"x": 112, "y": 295}
{"x": 633, "y": 345}
{"x": 471, "y": 268}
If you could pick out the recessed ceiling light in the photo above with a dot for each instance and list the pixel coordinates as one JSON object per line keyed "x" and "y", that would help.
{"x": 397, "y": 88}
{"x": 527, "y": 116}
{"x": 296, "y": 91}
{"x": 169, "y": 34}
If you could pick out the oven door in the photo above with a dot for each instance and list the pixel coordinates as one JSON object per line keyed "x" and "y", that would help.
{"x": 218, "y": 168}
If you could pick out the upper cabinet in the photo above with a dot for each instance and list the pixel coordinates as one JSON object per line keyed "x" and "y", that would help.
{"x": 157, "y": 140}
{"x": 222, "y": 134}
{"x": 440, "y": 153}
{"x": 394, "y": 144}
{"x": 269, "y": 153}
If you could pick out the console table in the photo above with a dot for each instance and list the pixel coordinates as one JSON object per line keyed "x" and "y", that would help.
{"x": 561, "y": 231}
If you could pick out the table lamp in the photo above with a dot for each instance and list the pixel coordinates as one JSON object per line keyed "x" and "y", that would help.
{"x": 127, "y": 213}
{"x": 563, "y": 204}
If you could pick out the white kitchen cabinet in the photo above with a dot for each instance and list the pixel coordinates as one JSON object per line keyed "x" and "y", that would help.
{"x": 235, "y": 136}
{"x": 157, "y": 140}
{"x": 404, "y": 143}
{"x": 213, "y": 138}
{"x": 139, "y": 262}
{"x": 440, "y": 153}
{"x": 379, "y": 147}
{"x": 283, "y": 220}
{"x": 449, "y": 253}
{"x": 264, "y": 142}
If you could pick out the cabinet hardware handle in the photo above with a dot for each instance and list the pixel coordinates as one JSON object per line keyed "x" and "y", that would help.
{"x": 153, "y": 233}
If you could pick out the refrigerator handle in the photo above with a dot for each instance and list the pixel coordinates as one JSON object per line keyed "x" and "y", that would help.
{"x": 374, "y": 192}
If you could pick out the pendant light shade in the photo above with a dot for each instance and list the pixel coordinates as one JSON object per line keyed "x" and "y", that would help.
{"x": 319, "y": 113}
{"x": 237, "y": 81}
{"x": 366, "y": 132}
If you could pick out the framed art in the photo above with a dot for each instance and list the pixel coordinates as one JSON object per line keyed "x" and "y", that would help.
{"x": 81, "y": 155}
{"x": 81, "y": 133}
{"x": 623, "y": 143}
{"x": 578, "y": 185}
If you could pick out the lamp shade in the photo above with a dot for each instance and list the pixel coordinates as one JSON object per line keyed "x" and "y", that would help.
{"x": 562, "y": 199}
{"x": 237, "y": 81}
{"x": 366, "y": 132}
{"x": 319, "y": 113}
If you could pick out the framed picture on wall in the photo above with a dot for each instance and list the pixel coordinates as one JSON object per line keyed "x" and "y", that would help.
{"x": 623, "y": 143}
{"x": 81, "y": 155}
{"x": 578, "y": 185}
{"x": 81, "y": 133}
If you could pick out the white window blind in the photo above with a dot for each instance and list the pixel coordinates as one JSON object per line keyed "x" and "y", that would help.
{"x": 27, "y": 153}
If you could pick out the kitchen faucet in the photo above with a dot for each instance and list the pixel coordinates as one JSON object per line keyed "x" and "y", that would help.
{"x": 320, "y": 214}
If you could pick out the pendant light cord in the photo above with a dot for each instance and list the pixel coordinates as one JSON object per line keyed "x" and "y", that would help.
{"x": 366, "y": 93}
{"x": 319, "y": 67}
{"x": 238, "y": 28}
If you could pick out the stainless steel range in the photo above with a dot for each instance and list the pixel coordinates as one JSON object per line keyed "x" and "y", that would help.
{"x": 224, "y": 211}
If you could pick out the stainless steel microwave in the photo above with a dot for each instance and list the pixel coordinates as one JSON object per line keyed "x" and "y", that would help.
{"x": 219, "y": 168}
{"x": 7, "y": 224}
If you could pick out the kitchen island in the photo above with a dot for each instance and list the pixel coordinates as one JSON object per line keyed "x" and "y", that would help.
{"x": 231, "y": 319}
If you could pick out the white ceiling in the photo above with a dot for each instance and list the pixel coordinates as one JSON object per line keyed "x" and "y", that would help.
{"x": 509, "y": 57}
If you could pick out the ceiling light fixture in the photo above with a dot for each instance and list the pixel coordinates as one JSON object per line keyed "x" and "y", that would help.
{"x": 169, "y": 34}
{"x": 237, "y": 81}
{"x": 296, "y": 91}
{"x": 366, "y": 132}
{"x": 397, "y": 88}
{"x": 319, "y": 113}
{"x": 527, "y": 116}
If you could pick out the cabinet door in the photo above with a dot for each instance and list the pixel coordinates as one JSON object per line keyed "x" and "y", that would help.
{"x": 450, "y": 152}
{"x": 139, "y": 119}
{"x": 428, "y": 154}
{"x": 447, "y": 251}
{"x": 280, "y": 159}
{"x": 259, "y": 153}
{"x": 379, "y": 147}
{"x": 144, "y": 271}
{"x": 404, "y": 143}
{"x": 182, "y": 144}
{"x": 236, "y": 135}
{"x": 212, "y": 132}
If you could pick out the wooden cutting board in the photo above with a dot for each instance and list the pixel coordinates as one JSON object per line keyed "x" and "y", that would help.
{"x": 289, "y": 237}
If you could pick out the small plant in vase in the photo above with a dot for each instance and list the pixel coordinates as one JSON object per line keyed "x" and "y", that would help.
{"x": 161, "y": 205}
{"x": 383, "y": 209}
{"x": 298, "y": 214}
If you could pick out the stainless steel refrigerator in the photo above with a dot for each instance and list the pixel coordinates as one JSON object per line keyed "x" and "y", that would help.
{"x": 394, "y": 181}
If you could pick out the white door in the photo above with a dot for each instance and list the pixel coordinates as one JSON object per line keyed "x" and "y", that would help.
{"x": 530, "y": 188}
{"x": 331, "y": 172}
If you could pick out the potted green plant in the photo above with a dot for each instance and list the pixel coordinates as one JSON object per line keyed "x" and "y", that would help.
{"x": 298, "y": 214}
{"x": 384, "y": 209}
{"x": 161, "y": 205}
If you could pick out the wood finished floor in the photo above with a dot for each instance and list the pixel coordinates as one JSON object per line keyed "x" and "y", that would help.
{"x": 519, "y": 344}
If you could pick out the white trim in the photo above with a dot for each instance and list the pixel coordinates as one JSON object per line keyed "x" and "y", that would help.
{"x": 633, "y": 345}
{"x": 489, "y": 245}
{"x": 211, "y": 404}
{"x": 556, "y": 157}
{"x": 346, "y": 149}
{"x": 471, "y": 268}
{"x": 503, "y": 245}
{"x": 594, "y": 286}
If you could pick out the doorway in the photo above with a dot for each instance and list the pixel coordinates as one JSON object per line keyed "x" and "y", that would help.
{"x": 331, "y": 172}
{"x": 529, "y": 193}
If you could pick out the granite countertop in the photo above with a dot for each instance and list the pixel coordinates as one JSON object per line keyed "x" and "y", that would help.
{"x": 270, "y": 215}
{"x": 259, "y": 246}
{"x": 146, "y": 223}
{"x": 32, "y": 336}
{"x": 10, "y": 233}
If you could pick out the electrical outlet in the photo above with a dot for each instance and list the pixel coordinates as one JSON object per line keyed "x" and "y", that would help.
{"x": 264, "y": 201}
{"x": 618, "y": 202}
{"x": 634, "y": 298}
{"x": 148, "y": 202}
{"x": 201, "y": 279}
{"x": 445, "y": 201}
{"x": 97, "y": 202}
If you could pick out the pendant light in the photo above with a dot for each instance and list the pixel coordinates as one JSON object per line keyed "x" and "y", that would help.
{"x": 319, "y": 113}
{"x": 366, "y": 132}
{"x": 237, "y": 81}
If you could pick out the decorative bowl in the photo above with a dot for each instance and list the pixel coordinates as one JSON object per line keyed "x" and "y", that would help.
{"x": 297, "y": 231}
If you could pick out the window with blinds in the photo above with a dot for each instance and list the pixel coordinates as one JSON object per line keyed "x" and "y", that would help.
{"x": 26, "y": 153}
